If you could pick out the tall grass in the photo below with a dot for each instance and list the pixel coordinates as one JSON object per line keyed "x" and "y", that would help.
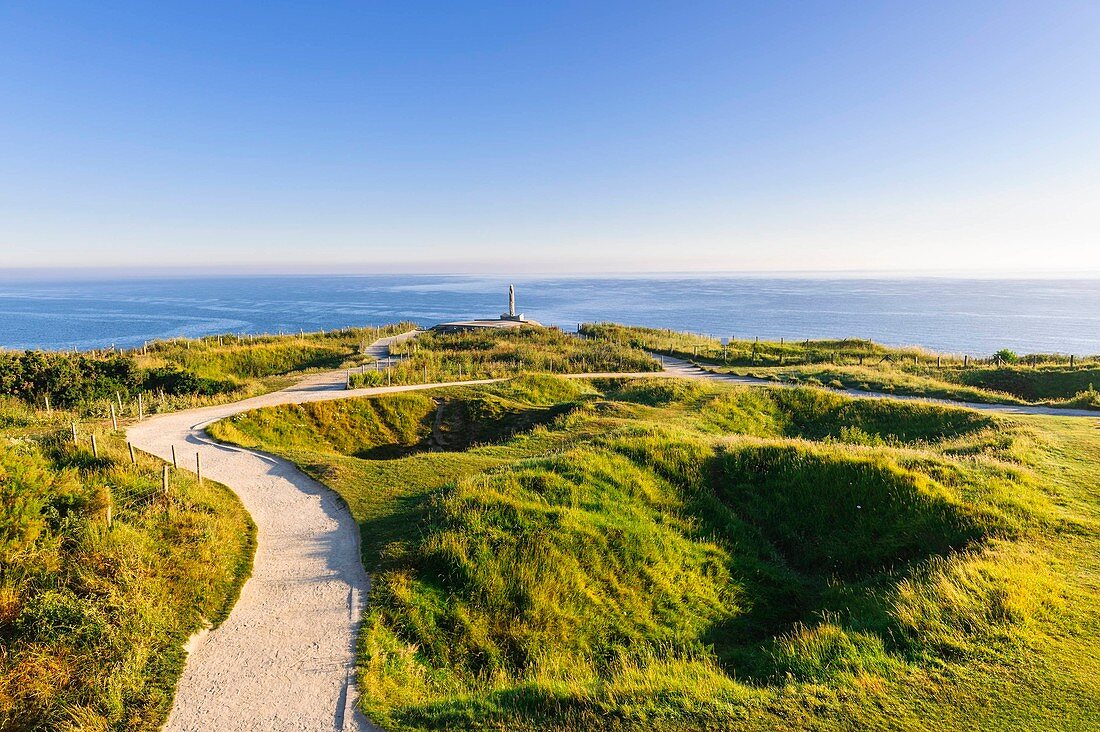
{"x": 488, "y": 354}
{"x": 102, "y": 576}
{"x": 180, "y": 373}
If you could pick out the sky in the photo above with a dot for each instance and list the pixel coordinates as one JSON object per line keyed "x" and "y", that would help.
{"x": 551, "y": 136}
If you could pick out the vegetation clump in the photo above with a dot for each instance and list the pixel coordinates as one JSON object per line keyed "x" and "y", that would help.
{"x": 102, "y": 576}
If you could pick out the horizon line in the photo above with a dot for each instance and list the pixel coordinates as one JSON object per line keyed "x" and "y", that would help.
{"x": 291, "y": 270}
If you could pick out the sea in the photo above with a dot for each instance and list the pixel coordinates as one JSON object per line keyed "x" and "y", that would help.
{"x": 961, "y": 316}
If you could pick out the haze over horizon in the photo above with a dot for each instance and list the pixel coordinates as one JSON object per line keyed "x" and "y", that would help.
{"x": 628, "y": 137}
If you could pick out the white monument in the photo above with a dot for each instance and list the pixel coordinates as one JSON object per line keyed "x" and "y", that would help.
{"x": 511, "y": 314}
{"x": 508, "y": 321}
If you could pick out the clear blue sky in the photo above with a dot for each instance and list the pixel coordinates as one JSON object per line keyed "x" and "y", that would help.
{"x": 551, "y": 136}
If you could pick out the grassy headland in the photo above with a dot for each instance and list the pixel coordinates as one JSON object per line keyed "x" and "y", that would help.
{"x": 102, "y": 576}
{"x": 489, "y": 354}
{"x": 180, "y": 373}
{"x": 1006, "y": 378}
{"x": 676, "y": 555}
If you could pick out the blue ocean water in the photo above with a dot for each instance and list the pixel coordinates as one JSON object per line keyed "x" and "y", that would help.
{"x": 951, "y": 315}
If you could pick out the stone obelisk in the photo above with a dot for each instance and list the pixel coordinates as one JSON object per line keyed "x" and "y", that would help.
{"x": 511, "y": 302}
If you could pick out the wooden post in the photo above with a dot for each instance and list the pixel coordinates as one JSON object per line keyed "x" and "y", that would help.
{"x": 198, "y": 467}
{"x": 95, "y": 448}
{"x": 164, "y": 483}
{"x": 141, "y": 408}
{"x": 73, "y": 424}
{"x": 118, "y": 398}
{"x": 114, "y": 418}
{"x": 939, "y": 361}
{"x": 49, "y": 410}
{"x": 174, "y": 464}
{"x": 966, "y": 361}
{"x": 133, "y": 457}
{"x": 110, "y": 521}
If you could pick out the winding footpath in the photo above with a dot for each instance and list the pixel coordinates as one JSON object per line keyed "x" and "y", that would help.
{"x": 284, "y": 658}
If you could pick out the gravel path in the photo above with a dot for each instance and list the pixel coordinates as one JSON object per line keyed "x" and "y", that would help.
{"x": 284, "y": 658}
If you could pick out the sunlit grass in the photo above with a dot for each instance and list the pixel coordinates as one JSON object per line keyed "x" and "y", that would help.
{"x": 104, "y": 576}
{"x": 677, "y": 555}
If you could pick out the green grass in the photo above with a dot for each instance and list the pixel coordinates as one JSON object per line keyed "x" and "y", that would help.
{"x": 435, "y": 357}
{"x": 676, "y": 555}
{"x": 1046, "y": 379}
{"x": 180, "y": 373}
{"x": 93, "y": 616}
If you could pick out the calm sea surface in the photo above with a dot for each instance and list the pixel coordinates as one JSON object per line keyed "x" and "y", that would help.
{"x": 958, "y": 316}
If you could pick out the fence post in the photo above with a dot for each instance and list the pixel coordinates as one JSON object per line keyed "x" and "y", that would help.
{"x": 49, "y": 409}
{"x": 95, "y": 448}
{"x": 141, "y": 408}
{"x": 73, "y": 424}
{"x": 198, "y": 467}
{"x": 133, "y": 457}
{"x": 114, "y": 418}
{"x": 164, "y": 485}
{"x": 174, "y": 464}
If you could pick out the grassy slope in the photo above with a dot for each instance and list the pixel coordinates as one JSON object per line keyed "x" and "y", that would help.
{"x": 675, "y": 555}
{"x": 869, "y": 366}
{"x": 93, "y": 617}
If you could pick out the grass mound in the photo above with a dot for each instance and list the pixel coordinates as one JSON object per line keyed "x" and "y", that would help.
{"x": 399, "y": 425}
{"x": 673, "y": 555}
